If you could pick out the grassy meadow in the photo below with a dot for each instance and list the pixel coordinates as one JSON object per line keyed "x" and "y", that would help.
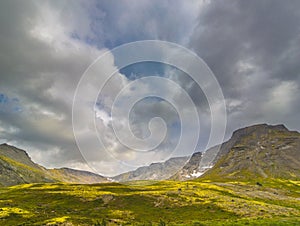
{"x": 273, "y": 202}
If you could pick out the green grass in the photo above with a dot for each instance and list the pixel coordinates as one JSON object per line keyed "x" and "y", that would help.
{"x": 276, "y": 202}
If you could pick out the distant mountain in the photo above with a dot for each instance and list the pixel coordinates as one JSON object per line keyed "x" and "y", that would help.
{"x": 256, "y": 151}
{"x": 259, "y": 151}
{"x": 194, "y": 168}
{"x": 16, "y": 167}
{"x": 76, "y": 176}
{"x": 155, "y": 171}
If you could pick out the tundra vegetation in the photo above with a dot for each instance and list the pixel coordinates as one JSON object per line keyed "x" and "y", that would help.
{"x": 198, "y": 202}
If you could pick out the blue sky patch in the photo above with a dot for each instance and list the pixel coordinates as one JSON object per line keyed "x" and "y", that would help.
{"x": 9, "y": 105}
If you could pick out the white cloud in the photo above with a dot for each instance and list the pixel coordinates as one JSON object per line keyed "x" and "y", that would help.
{"x": 282, "y": 98}
{"x": 47, "y": 46}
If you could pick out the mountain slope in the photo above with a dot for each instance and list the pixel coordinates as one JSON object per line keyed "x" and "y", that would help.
{"x": 16, "y": 167}
{"x": 249, "y": 137}
{"x": 260, "y": 151}
{"x": 256, "y": 151}
{"x": 76, "y": 176}
{"x": 155, "y": 171}
{"x": 191, "y": 169}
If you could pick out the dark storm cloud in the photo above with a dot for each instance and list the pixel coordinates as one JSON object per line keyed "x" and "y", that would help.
{"x": 39, "y": 68}
{"x": 262, "y": 32}
{"x": 251, "y": 46}
{"x": 45, "y": 48}
{"x": 253, "y": 49}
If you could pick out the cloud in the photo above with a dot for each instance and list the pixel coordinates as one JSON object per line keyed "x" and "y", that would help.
{"x": 251, "y": 46}
{"x": 40, "y": 67}
{"x": 282, "y": 99}
{"x": 46, "y": 47}
{"x": 128, "y": 21}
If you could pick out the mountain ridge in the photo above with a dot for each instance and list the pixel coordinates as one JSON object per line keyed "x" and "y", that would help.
{"x": 16, "y": 167}
{"x": 259, "y": 150}
{"x": 201, "y": 162}
{"x": 154, "y": 171}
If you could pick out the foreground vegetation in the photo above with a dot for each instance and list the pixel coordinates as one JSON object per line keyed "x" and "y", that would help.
{"x": 274, "y": 202}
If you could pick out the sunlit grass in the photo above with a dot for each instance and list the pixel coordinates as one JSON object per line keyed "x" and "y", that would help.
{"x": 6, "y": 211}
{"x": 172, "y": 202}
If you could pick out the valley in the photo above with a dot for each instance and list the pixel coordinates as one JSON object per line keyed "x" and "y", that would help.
{"x": 200, "y": 202}
{"x": 252, "y": 180}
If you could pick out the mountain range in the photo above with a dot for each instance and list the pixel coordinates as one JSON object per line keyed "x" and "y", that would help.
{"x": 258, "y": 151}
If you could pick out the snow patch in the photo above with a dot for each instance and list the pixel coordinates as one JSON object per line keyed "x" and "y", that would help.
{"x": 196, "y": 174}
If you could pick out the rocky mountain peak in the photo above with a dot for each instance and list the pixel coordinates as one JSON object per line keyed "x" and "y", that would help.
{"x": 17, "y": 154}
{"x": 257, "y": 130}
{"x": 263, "y": 150}
{"x": 249, "y": 138}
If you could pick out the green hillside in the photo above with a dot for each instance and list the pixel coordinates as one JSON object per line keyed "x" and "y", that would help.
{"x": 16, "y": 167}
{"x": 13, "y": 172}
{"x": 255, "y": 180}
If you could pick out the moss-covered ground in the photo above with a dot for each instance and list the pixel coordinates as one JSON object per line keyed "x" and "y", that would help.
{"x": 272, "y": 202}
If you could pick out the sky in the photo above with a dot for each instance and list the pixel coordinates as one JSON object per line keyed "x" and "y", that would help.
{"x": 251, "y": 47}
